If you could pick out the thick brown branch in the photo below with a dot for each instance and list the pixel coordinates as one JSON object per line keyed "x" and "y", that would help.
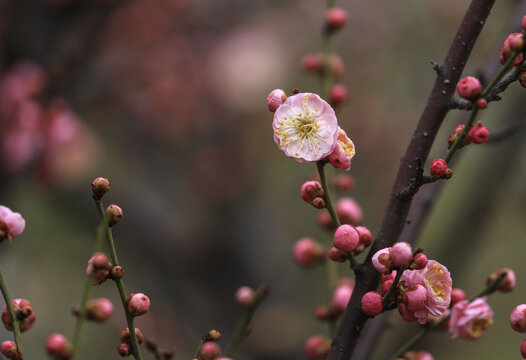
{"x": 438, "y": 104}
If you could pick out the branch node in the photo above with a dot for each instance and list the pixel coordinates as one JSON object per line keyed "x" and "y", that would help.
{"x": 438, "y": 68}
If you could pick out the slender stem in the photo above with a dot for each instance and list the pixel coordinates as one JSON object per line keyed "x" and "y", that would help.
{"x": 198, "y": 350}
{"x": 502, "y": 71}
{"x": 120, "y": 284}
{"x": 486, "y": 291}
{"x": 393, "y": 285}
{"x": 79, "y": 325}
{"x": 11, "y": 310}
{"x": 244, "y": 321}
{"x": 326, "y": 40}
{"x": 330, "y": 207}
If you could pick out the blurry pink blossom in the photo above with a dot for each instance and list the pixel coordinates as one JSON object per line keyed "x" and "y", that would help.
{"x": 469, "y": 320}
{"x": 343, "y": 152}
{"x": 11, "y": 223}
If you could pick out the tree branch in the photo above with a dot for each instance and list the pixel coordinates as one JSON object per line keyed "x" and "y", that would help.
{"x": 438, "y": 104}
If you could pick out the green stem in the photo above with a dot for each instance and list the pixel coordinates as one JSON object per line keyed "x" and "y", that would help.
{"x": 11, "y": 310}
{"x": 328, "y": 205}
{"x": 120, "y": 284}
{"x": 79, "y": 325}
{"x": 242, "y": 325}
{"x": 198, "y": 350}
{"x": 408, "y": 345}
{"x": 502, "y": 71}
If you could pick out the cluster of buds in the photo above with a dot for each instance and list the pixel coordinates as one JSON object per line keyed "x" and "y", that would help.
{"x": 470, "y": 88}
{"x": 125, "y": 349}
{"x": 58, "y": 347}
{"x": 99, "y": 268}
{"x": 312, "y": 193}
{"x": 23, "y": 312}
{"x": 513, "y": 43}
{"x": 399, "y": 256}
{"x": 478, "y": 134}
{"x": 10, "y": 350}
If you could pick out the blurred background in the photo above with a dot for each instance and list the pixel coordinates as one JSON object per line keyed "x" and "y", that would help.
{"x": 166, "y": 98}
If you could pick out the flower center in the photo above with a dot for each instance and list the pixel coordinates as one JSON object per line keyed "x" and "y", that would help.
{"x": 305, "y": 126}
{"x": 478, "y": 326}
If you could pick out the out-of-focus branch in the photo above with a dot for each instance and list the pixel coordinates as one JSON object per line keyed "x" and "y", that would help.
{"x": 354, "y": 319}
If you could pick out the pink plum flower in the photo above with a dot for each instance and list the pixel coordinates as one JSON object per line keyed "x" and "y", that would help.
{"x": 382, "y": 260}
{"x": 469, "y": 320}
{"x": 435, "y": 278}
{"x": 305, "y": 127}
{"x": 343, "y": 153}
{"x": 518, "y": 318}
{"x": 11, "y": 223}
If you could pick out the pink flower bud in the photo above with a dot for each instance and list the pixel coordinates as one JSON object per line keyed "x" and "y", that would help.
{"x": 469, "y": 88}
{"x": 372, "y": 303}
{"x": 275, "y": 99}
{"x": 508, "y": 283}
{"x": 386, "y": 285}
{"x": 312, "y": 62}
{"x": 138, "y": 304}
{"x": 419, "y": 262}
{"x": 422, "y": 355}
{"x": 401, "y": 254}
{"x": 317, "y": 347}
{"x": 346, "y": 238}
{"x": 456, "y": 133}
{"x": 338, "y": 95}
{"x": 341, "y": 296}
{"x": 99, "y": 310}
{"x": 214, "y": 335}
{"x": 518, "y": 318}
{"x": 210, "y": 350}
{"x": 12, "y": 223}
{"x": 407, "y": 315}
{"x": 245, "y": 296}
{"x": 323, "y": 313}
{"x": 415, "y": 298}
{"x": 514, "y": 42}
{"x": 349, "y": 211}
{"x": 114, "y": 214}
{"x": 96, "y": 262}
{"x": 386, "y": 277}
{"x": 479, "y": 134}
{"x": 438, "y": 168}
{"x": 457, "y": 295}
{"x": 58, "y": 346}
{"x": 481, "y": 103}
{"x": 10, "y": 350}
{"x": 336, "y": 18}
{"x": 382, "y": 260}
{"x": 307, "y": 252}
{"x": 523, "y": 345}
{"x": 323, "y": 218}
{"x": 99, "y": 187}
{"x": 124, "y": 350}
{"x": 343, "y": 182}
{"x": 311, "y": 190}
{"x": 337, "y": 255}
{"x": 365, "y": 236}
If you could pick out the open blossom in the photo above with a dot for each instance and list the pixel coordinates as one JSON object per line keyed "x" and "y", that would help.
{"x": 343, "y": 152}
{"x": 11, "y": 223}
{"x": 469, "y": 320}
{"x": 305, "y": 127}
{"x": 435, "y": 278}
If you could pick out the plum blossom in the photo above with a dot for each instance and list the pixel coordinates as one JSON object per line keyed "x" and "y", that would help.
{"x": 11, "y": 223}
{"x": 435, "y": 278}
{"x": 469, "y": 320}
{"x": 305, "y": 128}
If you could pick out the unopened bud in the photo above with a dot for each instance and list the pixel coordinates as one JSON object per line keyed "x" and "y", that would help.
{"x": 99, "y": 310}
{"x": 117, "y": 272}
{"x": 372, "y": 303}
{"x": 419, "y": 262}
{"x": 337, "y": 255}
{"x": 124, "y": 350}
{"x": 479, "y": 134}
{"x": 10, "y": 350}
{"x": 438, "y": 167}
{"x": 336, "y": 18}
{"x": 275, "y": 99}
{"x": 214, "y": 335}
{"x": 338, "y": 95}
{"x": 126, "y": 338}
{"x": 507, "y": 283}
{"x": 343, "y": 182}
{"x": 114, "y": 214}
{"x": 318, "y": 203}
{"x": 307, "y": 252}
{"x": 457, "y": 295}
{"x": 99, "y": 187}
{"x": 469, "y": 88}
{"x": 210, "y": 350}
{"x": 481, "y": 103}
{"x": 311, "y": 190}
{"x": 317, "y": 347}
{"x": 58, "y": 347}
{"x": 138, "y": 304}
{"x": 245, "y": 296}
